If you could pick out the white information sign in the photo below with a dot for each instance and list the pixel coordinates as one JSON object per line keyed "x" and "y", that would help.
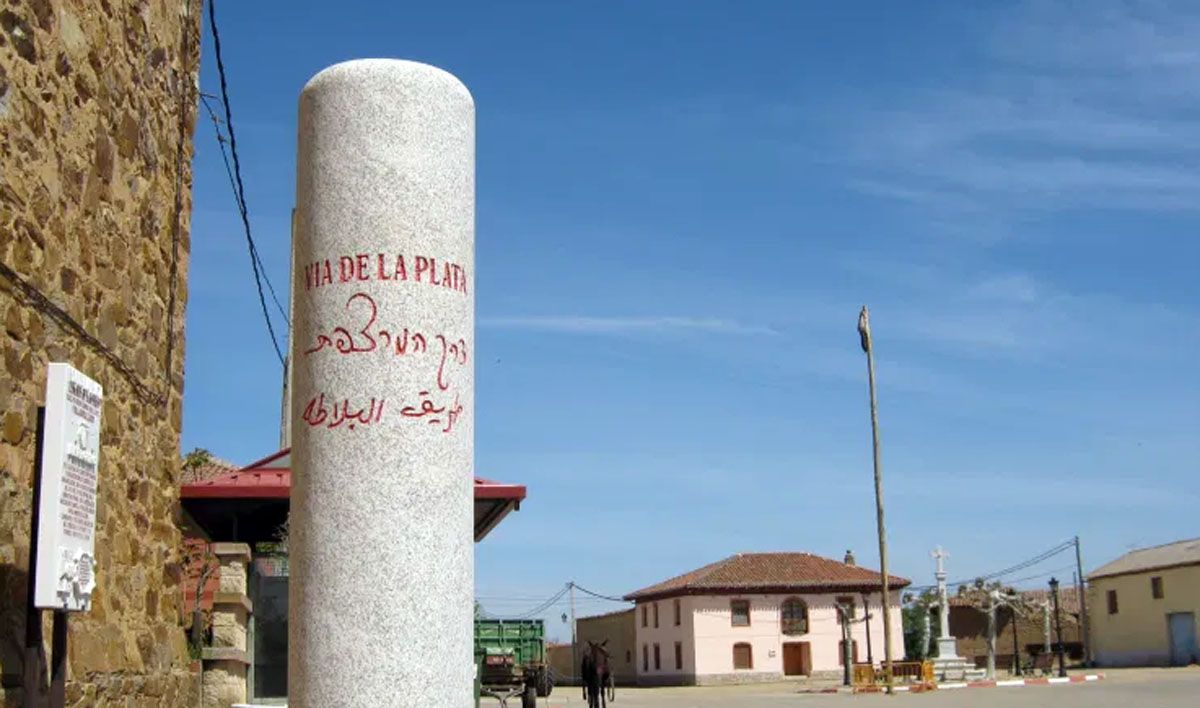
{"x": 66, "y": 533}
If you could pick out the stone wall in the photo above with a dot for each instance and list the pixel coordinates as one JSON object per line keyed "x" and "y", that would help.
{"x": 969, "y": 626}
{"x": 97, "y": 112}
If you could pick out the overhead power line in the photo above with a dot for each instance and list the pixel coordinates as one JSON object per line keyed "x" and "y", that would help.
{"x": 1042, "y": 575}
{"x": 598, "y": 595}
{"x": 1032, "y": 561}
{"x": 1039, "y": 558}
{"x": 545, "y": 605}
{"x": 237, "y": 173}
{"x": 241, "y": 201}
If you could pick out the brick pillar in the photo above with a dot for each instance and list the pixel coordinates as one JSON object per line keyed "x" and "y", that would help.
{"x": 227, "y": 660}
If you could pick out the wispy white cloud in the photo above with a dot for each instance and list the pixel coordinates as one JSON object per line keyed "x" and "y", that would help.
{"x": 1014, "y": 315}
{"x": 624, "y": 325}
{"x": 1079, "y": 106}
{"x": 1011, "y": 287}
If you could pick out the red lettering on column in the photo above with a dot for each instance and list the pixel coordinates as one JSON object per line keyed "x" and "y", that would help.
{"x": 422, "y": 267}
{"x": 401, "y": 272}
{"x": 361, "y": 266}
{"x": 448, "y": 275}
{"x": 345, "y": 269}
{"x": 433, "y": 279}
{"x": 308, "y": 275}
{"x": 327, "y": 278}
{"x": 464, "y": 281}
{"x": 383, "y": 273}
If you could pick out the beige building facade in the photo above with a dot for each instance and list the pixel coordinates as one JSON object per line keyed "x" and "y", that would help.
{"x": 614, "y": 628}
{"x": 1144, "y": 607}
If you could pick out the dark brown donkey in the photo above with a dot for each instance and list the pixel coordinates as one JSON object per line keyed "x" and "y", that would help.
{"x": 596, "y": 675}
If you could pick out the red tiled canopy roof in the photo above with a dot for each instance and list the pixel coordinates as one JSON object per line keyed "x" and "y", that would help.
{"x": 769, "y": 573}
{"x": 271, "y": 478}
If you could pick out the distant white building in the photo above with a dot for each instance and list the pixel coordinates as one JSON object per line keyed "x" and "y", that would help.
{"x": 760, "y": 617}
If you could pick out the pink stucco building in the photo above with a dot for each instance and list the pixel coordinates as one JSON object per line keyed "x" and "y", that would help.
{"x": 760, "y": 617}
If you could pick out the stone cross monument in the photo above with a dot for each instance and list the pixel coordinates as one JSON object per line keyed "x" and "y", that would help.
{"x": 382, "y": 413}
{"x": 946, "y": 648}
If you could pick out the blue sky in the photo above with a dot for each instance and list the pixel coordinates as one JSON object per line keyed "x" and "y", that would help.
{"x": 681, "y": 207}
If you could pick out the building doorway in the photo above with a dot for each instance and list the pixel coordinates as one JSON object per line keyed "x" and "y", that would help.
{"x": 1182, "y": 627}
{"x": 797, "y": 659}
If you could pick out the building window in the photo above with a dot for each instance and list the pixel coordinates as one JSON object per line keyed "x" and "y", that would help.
{"x": 645, "y": 658}
{"x": 794, "y": 616}
{"x": 1112, "y": 602}
{"x": 848, "y": 602}
{"x": 628, "y": 657}
{"x": 739, "y": 611}
{"x": 678, "y": 613}
{"x": 743, "y": 657}
{"x": 656, "y": 615}
{"x": 645, "y": 615}
{"x": 1156, "y": 587}
{"x": 657, "y": 659}
{"x": 679, "y": 656}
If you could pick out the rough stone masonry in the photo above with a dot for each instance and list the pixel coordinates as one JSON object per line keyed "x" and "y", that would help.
{"x": 97, "y": 113}
{"x": 382, "y": 557}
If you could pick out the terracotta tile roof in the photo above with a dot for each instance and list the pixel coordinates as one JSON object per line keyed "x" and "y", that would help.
{"x": 1068, "y": 599}
{"x": 1164, "y": 556}
{"x": 212, "y": 467}
{"x": 768, "y": 572}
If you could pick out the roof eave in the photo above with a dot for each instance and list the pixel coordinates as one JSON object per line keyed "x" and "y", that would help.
{"x": 1100, "y": 574}
{"x": 644, "y": 595}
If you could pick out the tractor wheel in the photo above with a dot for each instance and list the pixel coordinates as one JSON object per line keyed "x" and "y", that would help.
{"x": 529, "y": 698}
{"x": 545, "y": 682}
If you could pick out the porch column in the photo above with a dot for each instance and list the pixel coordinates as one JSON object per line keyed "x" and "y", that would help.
{"x": 226, "y": 661}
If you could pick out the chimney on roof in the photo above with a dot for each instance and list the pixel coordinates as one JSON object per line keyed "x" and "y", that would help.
{"x": 849, "y": 559}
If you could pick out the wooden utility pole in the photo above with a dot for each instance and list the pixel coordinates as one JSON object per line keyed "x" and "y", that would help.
{"x": 1081, "y": 588}
{"x": 864, "y": 333}
{"x": 574, "y": 640}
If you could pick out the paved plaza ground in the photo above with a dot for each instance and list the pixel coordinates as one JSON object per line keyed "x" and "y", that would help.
{"x": 1122, "y": 688}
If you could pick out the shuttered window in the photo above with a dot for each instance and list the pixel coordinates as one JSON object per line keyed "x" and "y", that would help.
{"x": 1112, "y": 602}
{"x": 743, "y": 657}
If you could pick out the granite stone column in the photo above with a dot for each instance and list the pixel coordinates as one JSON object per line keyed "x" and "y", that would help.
{"x": 382, "y": 564}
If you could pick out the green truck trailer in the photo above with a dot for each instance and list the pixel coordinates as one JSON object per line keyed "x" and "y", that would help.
{"x": 510, "y": 660}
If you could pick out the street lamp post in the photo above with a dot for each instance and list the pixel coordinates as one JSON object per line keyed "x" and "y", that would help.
{"x": 864, "y": 333}
{"x": 1062, "y": 666}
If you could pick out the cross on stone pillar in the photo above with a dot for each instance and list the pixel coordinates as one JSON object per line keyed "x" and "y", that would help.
{"x": 940, "y": 557}
{"x": 947, "y": 652}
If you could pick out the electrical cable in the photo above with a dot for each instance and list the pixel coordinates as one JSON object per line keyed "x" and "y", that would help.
{"x": 237, "y": 171}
